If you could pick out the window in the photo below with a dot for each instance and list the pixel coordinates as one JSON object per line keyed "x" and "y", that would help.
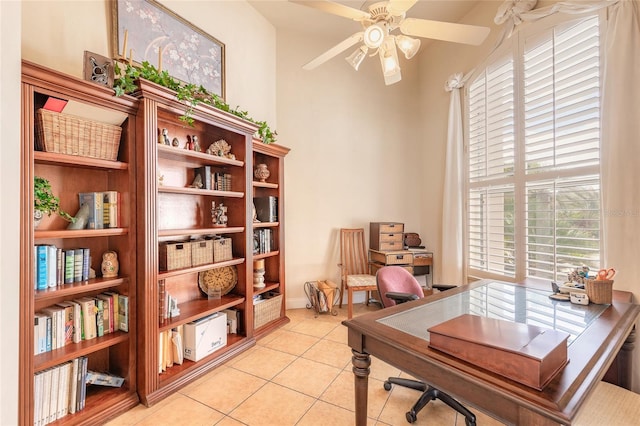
{"x": 533, "y": 138}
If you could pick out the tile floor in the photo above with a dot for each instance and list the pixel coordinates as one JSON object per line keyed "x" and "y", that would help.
{"x": 298, "y": 375}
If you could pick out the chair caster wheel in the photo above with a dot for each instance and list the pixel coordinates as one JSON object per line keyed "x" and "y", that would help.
{"x": 411, "y": 416}
{"x": 387, "y": 385}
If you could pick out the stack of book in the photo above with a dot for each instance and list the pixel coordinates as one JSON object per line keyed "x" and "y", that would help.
{"x": 222, "y": 181}
{"x": 59, "y": 391}
{"x": 56, "y": 266}
{"x": 262, "y": 240}
{"x": 80, "y": 319}
{"x": 104, "y": 209}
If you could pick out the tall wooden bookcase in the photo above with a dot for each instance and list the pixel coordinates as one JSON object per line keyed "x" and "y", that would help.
{"x": 158, "y": 205}
{"x": 69, "y": 175}
{"x": 170, "y": 210}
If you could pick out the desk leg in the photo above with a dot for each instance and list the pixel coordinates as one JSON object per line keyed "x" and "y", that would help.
{"x": 361, "y": 363}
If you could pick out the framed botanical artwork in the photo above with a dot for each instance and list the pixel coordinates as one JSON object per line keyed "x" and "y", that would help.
{"x": 145, "y": 30}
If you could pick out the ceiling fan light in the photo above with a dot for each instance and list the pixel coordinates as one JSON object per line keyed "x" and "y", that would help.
{"x": 374, "y": 35}
{"x": 409, "y": 46}
{"x": 389, "y": 57}
{"x": 356, "y": 58}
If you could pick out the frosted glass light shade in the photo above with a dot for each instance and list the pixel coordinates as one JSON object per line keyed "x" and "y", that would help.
{"x": 409, "y": 46}
{"x": 374, "y": 35}
{"x": 358, "y": 55}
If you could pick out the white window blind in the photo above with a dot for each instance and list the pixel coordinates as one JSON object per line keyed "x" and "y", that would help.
{"x": 533, "y": 141}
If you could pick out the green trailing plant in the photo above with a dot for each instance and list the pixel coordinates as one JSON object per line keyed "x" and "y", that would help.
{"x": 44, "y": 200}
{"x": 190, "y": 94}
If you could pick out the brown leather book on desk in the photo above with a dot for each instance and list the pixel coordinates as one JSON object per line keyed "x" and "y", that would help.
{"x": 527, "y": 354}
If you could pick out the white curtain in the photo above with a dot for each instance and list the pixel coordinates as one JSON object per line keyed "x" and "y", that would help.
{"x": 620, "y": 151}
{"x": 453, "y": 270}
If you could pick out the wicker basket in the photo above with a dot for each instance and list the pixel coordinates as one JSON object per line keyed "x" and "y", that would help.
{"x": 201, "y": 252}
{"x": 174, "y": 255}
{"x": 222, "y": 249}
{"x": 67, "y": 134}
{"x": 600, "y": 292}
{"x": 267, "y": 310}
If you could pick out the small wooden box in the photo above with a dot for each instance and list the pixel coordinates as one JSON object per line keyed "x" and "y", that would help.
{"x": 524, "y": 353}
{"x": 392, "y": 257}
{"x": 386, "y": 236}
{"x": 174, "y": 255}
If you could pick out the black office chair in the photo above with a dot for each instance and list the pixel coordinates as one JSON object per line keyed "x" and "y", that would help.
{"x": 397, "y": 285}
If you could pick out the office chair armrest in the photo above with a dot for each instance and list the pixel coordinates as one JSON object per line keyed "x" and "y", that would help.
{"x": 401, "y": 297}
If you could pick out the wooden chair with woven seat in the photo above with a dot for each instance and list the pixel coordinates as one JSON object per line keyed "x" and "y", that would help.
{"x": 354, "y": 267}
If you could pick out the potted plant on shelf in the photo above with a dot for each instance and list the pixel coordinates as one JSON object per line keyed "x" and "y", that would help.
{"x": 44, "y": 202}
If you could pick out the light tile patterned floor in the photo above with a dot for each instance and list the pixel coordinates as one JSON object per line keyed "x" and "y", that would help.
{"x": 298, "y": 375}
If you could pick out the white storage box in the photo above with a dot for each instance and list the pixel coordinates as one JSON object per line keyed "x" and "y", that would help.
{"x": 205, "y": 336}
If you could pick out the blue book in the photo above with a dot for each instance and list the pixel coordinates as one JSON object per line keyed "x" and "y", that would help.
{"x": 42, "y": 275}
{"x": 86, "y": 263}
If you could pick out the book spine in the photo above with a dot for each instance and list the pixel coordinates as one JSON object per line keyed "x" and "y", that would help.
{"x": 69, "y": 260}
{"x": 162, "y": 306}
{"x": 123, "y": 312}
{"x": 86, "y": 263}
{"x": 42, "y": 267}
{"x": 99, "y": 317}
{"x": 59, "y": 266}
{"x": 51, "y": 266}
{"x": 77, "y": 265}
{"x": 105, "y": 210}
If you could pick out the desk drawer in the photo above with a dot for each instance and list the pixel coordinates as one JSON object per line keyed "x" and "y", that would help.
{"x": 422, "y": 260}
{"x": 390, "y": 238}
{"x": 392, "y": 258}
{"x": 376, "y": 266}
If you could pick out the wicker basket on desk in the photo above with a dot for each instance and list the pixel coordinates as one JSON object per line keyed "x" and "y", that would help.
{"x": 600, "y": 292}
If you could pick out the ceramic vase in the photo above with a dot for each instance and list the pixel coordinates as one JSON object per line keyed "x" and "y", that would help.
{"x": 262, "y": 172}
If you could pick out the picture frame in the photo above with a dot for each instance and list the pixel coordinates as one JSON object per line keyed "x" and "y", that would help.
{"x": 145, "y": 30}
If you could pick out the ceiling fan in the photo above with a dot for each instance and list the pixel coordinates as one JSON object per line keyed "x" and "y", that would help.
{"x": 377, "y": 34}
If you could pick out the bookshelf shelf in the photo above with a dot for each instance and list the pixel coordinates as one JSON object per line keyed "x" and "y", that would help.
{"x": 75, "y": 161}
{"x": 269, "y": 286}
{"x": 265, "y": 185}
{"x": 197, "y": 308}
{"x": 199, "y": 231}
{"x": 177, "y": 272}
{"x": 266, "y": 224}
{"x": 265, "y": 255}
{"x": 74, "y": 350}
{"x": 195, "y": 191}
{"x": 194, "y": 159}
{"x": 69, "y": 290}
{"x": 80, "y": 233}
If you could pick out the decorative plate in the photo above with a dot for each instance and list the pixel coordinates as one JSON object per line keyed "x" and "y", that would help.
{"x": 221, "y": 148}
{"x": 224, "y": 279}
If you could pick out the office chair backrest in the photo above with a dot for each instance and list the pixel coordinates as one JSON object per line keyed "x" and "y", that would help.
{"x": 396, "y": 279}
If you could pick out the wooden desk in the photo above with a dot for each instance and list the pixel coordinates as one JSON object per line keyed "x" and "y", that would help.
{"x": 418, "y": 262}
{"x": 398, "y": 336}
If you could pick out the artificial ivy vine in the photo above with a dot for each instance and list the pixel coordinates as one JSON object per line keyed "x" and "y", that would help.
{"x": 188, "y": 93}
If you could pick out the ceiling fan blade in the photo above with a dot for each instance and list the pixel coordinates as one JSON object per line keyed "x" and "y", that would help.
{"x": 398, "y": 7}
{"x": 446, "y": 31}
{"x": 335, "y": 9}
{"x": 335, "y": 50}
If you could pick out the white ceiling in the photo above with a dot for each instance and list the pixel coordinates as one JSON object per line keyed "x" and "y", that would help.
{"x": 285, "y": 15}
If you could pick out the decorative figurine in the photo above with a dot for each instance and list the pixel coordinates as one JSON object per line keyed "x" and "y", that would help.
{"x": 262, "y": 173}
{"x": 258, "y": 274}
{"x": 110, "y": 264}
{"x": 196, "y": 143}
{"x": 175, "y": 142}
{"x": 219, "y": 214}
{"x": 165, "y": 137}
{"x": 197, "y": 182}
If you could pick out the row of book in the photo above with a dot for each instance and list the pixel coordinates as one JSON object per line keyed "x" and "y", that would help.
{"x": 104, "y": 209}
{"x": 62, "y": 389}
{"x": 262, "y": 241}
{"x": 56, "y": 266}
{"x": 170, "y": 348}
{"x": 218, "y": 181}
{"x": 167, "y": 304}
{"x": 59, "y": 391}
{"x": 80, "y": 319}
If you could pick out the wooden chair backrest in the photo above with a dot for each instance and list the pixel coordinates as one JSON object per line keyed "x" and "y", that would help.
{"x": 353, "y": 253}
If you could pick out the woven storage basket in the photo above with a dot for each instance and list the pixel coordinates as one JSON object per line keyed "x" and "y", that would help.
{"x": 222, "y": 249}
{"x": 67, "y": 134}
{"x": 174, "y": 255}
{"x": 600, "y": 292}
{"x": 201, "y": 252}
{"x": 267, "y": 310}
